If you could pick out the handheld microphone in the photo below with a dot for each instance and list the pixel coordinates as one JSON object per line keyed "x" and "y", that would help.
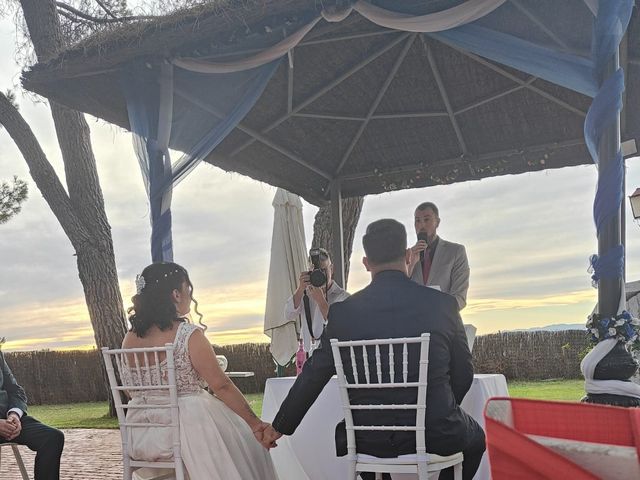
{"x": 423, "y": 236}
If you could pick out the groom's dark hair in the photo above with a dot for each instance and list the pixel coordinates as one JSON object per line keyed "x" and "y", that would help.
{"x": 385, "y": 241}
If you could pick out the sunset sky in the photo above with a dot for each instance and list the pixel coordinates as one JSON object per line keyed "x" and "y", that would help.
{"x": 528, "y": 239}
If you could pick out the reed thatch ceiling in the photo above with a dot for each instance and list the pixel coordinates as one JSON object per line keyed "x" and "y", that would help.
{"x": 378, "y": 109}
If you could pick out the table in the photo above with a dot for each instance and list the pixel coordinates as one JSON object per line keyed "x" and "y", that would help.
{"x": 309, "y": 454}
{"x": 224, "y": 363}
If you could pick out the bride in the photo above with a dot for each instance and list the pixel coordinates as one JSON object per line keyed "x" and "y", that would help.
{"x": 220, "y": 435}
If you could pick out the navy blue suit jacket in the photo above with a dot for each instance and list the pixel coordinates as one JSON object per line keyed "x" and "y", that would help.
{"x": 11, "y": 394}
{"x": 393, "y": 306}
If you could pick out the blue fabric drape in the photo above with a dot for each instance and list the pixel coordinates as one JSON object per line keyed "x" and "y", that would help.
{"x": 569, "y": 71}
{"x": 528, "y": 36}
{"x": 611, "y": 23}
{"x": 579, "y": 73}
{"x": 205, "y": 108}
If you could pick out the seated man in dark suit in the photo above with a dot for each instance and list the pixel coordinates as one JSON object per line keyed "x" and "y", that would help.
{"x": 18, "y": 427}
{"x": 392, "y": 306}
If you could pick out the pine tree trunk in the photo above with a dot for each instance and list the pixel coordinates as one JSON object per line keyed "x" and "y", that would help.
{"x": 322, "y": 233}
{"x": 81, "y": 213}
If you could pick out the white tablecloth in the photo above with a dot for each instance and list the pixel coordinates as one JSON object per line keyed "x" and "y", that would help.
{"x": 310, "y": 454}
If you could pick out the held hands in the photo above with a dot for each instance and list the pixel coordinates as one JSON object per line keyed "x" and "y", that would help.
{"x": 266, "y": 435}
{"x": 11, "y": 427}
{"x": 270, "y": 436}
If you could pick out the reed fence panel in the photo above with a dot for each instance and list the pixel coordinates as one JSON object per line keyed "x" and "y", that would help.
{"x": 52, "y": 377}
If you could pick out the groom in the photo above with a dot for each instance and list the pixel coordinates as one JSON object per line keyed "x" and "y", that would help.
{"x": 18, "y": 427}
{"x": 392, "y": 306}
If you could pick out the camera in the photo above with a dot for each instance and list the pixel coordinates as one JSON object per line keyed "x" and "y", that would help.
{"x": 317, "y": 276}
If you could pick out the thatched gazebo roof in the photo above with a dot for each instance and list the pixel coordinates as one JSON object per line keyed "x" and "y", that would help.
{"x": 379, "y": 109}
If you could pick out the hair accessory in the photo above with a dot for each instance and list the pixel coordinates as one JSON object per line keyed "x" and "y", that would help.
{"x": 140, "y": 283}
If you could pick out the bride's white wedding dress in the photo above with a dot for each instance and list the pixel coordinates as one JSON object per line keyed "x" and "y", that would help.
{"x": 216, "y": 444}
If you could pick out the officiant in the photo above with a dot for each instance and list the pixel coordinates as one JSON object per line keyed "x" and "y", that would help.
{"x": 316, "y": 291}
{"x": 436, "y": 262}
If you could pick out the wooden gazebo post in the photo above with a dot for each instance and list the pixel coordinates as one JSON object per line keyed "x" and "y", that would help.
{"x": 609, "y": 289}
{"x": 618, "y": 364}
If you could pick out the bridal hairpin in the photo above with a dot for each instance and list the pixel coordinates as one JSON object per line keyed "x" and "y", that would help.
{"x": 140, "y": 283}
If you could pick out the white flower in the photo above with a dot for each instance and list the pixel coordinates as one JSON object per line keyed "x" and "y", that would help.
{"x": 613, "y": 332}
{"x": 619, "y": 322}
{"x": 140, "y": 283}
{"x": 595, "y": 332}
{"x": 635, "y": 321}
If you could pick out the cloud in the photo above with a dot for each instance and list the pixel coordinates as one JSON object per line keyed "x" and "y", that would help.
{"x": 493, "y": 304}
{"x": 528, "y": 238}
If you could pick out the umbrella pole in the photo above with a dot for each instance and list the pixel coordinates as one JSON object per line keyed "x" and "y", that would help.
{"x": 337, "y": 233}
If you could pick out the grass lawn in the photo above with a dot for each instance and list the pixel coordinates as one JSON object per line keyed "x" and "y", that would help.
{"x": 94, "y": 414}
{"x": 567, "y": 390}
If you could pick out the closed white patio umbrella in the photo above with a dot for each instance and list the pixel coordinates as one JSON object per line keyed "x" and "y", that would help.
{"x": 288, "y": 259}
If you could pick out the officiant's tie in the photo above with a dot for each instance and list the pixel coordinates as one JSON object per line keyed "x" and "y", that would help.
{"x": 426, "y": 265}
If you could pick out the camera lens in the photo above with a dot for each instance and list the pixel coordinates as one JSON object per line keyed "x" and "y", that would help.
{"x": 317, "y": 278}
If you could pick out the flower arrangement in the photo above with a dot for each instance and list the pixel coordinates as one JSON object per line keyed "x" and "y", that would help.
{"x": 623, "y": 327}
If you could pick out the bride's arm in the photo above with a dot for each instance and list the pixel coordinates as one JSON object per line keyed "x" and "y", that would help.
{"x": 206, "y": 364}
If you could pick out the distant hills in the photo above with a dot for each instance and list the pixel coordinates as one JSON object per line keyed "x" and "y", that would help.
{"x": 553, "y": 328}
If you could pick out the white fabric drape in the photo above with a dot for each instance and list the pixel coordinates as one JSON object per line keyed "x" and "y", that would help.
{"x": 433, "y": 22}
{"x": 265, "y": 56}
{"x": 614, "y": 387}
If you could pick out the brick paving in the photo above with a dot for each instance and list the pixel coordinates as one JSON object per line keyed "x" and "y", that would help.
{"x": 88, "y": 454}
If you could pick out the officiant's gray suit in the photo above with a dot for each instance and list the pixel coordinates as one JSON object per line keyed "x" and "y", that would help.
{"x": 449, "y": 271}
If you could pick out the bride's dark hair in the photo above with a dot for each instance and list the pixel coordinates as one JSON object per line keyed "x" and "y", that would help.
{"x": 153, "y": 303}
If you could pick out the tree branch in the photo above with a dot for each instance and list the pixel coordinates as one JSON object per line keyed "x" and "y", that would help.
{"x": 41, "y": 171}
{"x": 68, "y": 15}
{"x": 106, "y": 9}
{"x": 63, "y": 6}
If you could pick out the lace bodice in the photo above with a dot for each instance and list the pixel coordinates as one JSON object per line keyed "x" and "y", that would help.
{"x": 187, "y": 379}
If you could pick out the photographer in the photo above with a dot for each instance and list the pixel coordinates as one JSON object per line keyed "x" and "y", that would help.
{"x": 319, "y": 297}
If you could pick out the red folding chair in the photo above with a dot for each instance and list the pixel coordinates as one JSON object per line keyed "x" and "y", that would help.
{"x": 534, "y": 439}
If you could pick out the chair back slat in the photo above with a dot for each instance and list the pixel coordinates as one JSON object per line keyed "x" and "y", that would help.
{"x": 146, "y": 362}
{"x": 156, "y": 357}
{"x": 392, "y": 366}
{"x": 138, "y": 369}
{"x": 136, "y": 375}
{"x": 385, "y": 377}
{"x": 405, "y": 362}
{"x": 365, "y": 364}
{"x": 421, "y": 413}
{"x": 353, "y": 365}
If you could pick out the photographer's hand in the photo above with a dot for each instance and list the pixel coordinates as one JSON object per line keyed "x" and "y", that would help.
{"x": 318, "y": 296}
{"x": 304, "y": 282}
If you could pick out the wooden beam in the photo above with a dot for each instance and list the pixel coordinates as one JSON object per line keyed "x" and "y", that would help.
{"x": 445, "y": 97}
{"x": 256, "y": 135}
{"x": 466, "y": 160}
{"x": 312, "y": 98}
{"x": 372, "y": 108}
